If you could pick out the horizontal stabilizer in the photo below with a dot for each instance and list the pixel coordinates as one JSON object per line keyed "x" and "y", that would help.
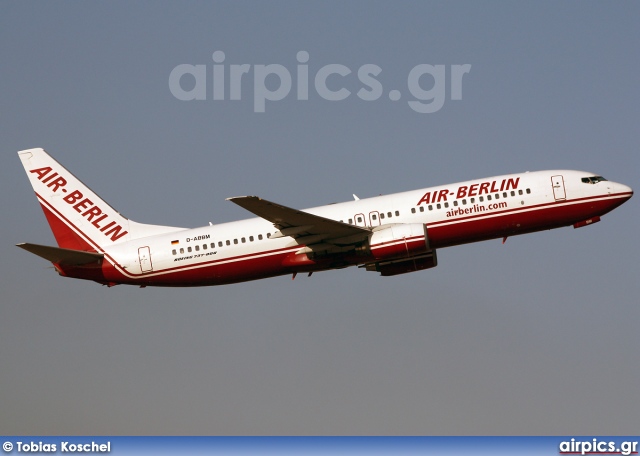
{"x": 64, "y": 257}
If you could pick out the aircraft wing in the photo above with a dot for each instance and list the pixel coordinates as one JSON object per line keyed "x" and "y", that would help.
{"x": 308, "y": 229}
{"x": 65, "y": 257}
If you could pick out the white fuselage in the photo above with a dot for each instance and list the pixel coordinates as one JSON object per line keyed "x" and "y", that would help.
{"x": 453, "y": 214}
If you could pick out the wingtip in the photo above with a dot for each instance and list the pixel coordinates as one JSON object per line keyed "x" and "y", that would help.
{"x": 234, "y": 198}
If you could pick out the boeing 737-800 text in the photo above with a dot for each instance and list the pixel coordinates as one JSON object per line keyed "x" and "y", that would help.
{"x": 391, "y": 234}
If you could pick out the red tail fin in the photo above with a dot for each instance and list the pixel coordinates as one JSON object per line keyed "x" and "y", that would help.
{"x": 79, "y": 218}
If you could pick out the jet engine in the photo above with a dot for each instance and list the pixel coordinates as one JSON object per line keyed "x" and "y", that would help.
{"x": 399, "y": 249}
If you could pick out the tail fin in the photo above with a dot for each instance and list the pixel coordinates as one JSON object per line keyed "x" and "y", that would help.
{"x": 79, "y": 219}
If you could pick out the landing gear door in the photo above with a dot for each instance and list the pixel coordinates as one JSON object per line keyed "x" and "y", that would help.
{"x": 559, "y": 192}
{"x": 144, "y": 255}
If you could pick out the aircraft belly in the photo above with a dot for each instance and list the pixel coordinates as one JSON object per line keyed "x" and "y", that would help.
{"x": 513, "y": 222}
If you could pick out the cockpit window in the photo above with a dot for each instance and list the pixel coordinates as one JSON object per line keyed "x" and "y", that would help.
{"x": 593, "y": 179}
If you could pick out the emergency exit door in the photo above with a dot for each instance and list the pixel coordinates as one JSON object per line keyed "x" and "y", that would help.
{"x": 559, "y": 192}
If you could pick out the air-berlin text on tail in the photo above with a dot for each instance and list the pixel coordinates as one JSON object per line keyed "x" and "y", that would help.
{"x": 84, "y": 206}
{"x": 466, "y": 191}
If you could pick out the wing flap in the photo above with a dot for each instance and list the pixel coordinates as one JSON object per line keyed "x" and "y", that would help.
{"x": 63, "y": 257}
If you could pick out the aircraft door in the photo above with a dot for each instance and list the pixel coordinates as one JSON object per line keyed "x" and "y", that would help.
{"x": 144, "y": 255}
{"x": 374, "y": 218}
{"x": 360, "y": 220}
{"x": 559, "y": 192}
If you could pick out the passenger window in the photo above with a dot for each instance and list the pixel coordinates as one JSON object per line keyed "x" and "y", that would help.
{"x": 213, "y": 245}
{"x": 397, "y": 213}
{"x": 481, "y": 198}
{"x": 519, "y": 192}
{"x": 182, "y": 250}
{"x": 413, "y": 210}
{"x": 504, "y": 195}
{"x": 382, "y": 216}
{"x": 374, "y": 217}
{"x": 514, "y": 193}
{"x": 235, "y": 241}
{"x": 464, "y": 202}
{"x": 389, "y": 214}
{"x": 228, "y": 242}
{"x": 259, "y": 237}
{"x": 197, "y": 248}
{"x": 528, "y": 191}
{"x": 359, "y": 219}
{"x": 497, "y": 196}
{"x": 446, "y": 205}
{"x": 439, "y": 206}
{"x": 430, "y": 207}
{"x": 250, "y": 238}
{"x": 455, "y": 202}
{"x": 219, "y": 243}
{"x": 472, "y": 200}
{"x": 173, "y": 251}
{"x": 204, "y": 246}
{"x": 244, "y": 240}
{"x": 421, "y": 208}
{"x": 350, "y": 221}
{"x": 488, "y": 197}
{"x": 189, "y": 249}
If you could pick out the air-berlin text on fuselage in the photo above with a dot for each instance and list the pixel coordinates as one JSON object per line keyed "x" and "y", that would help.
{"x": 82, "y": 205}
{"x": 465, "y": 191}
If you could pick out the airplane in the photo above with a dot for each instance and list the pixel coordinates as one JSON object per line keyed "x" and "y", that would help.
{"x": 390, "y": 234}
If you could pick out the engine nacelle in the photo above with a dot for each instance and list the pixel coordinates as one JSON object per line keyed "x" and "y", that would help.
{"x": 399, "y": 249}
{"x": 397, "y": 242}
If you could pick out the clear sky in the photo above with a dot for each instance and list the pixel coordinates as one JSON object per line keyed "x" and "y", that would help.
{"x": 537, "y": 336}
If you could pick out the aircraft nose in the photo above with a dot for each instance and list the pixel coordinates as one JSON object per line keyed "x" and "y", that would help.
{"x": 624, "y": 190}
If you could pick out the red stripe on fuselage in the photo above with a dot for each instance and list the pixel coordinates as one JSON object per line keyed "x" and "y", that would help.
{"x": 526, "y": 219}
{"x": 223, "y": 272}
{"x": 456, "y": 231}
{"x": 443, "y": 233}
